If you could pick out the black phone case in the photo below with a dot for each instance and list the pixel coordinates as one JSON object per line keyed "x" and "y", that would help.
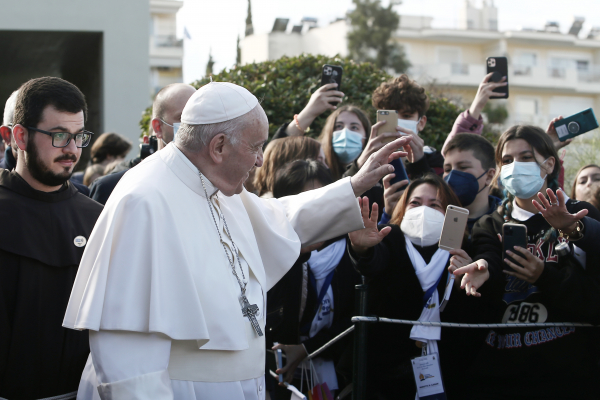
{"x": 499, "y": 66}
{"x": 576, "y": 124}
{"x": 400, "y": 172}
{"x": 332, "y": 74}
{"x": 509, "y": 241}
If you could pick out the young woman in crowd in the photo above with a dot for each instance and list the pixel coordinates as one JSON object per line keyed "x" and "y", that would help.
{"x": 314, "y": 301}
{"x": 408, "y": 279}
{"x": 586, "y": 185}
{"x": 533, "y": 362}
{"x": 278, "y": 153}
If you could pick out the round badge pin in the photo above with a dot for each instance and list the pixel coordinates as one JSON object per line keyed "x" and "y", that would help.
{"x": 79, "y": 241}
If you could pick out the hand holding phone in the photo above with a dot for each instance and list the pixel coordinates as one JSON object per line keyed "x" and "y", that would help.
{"x": 332, "y": 74}
{"x": 278, "y": 360}
{"x": 498, "y": 66}
{"x": 576, "y": 124}
{"x": 513, "y": 235}
{"x": 453, "y": 230}
{"x": 391, "y": 121}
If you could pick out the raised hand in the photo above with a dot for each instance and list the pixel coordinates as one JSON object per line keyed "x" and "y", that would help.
{"x": 474, "y": 276}
{"x": 415, "y": 148}
{"x": 294, "y": 354}
{"x": 484, "y": 93}
{"x": 319, "y": 103}
{"x": 555, "y": 211}
{"x": 392, "y": 193}
{"x": 376, "y": 142}
{"x": 362, "y": 239}
{"x": 459, "y": 259}
{"x": 377, "y": 165}
{"x": 551, "y": 131}
{"x": 531, "y": 269}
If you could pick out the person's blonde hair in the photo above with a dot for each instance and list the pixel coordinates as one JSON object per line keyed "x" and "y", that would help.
{"x": 278, "y": 153}
{"x": 337, "y": 167}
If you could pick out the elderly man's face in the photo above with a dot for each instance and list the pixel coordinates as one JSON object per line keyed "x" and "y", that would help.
{"x": 248, "y": 152}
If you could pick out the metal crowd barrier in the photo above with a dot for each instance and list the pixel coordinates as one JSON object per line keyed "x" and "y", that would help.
{"x": 359, "y": 388}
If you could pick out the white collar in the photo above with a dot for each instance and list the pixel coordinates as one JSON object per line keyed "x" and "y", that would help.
{"x": 523, "y": 215}
{"x": 520, "y": 214}
{"x": 185, "y": 170}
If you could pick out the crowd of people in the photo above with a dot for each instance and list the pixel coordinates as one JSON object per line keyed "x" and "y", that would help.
{"x": 113, "y": 282}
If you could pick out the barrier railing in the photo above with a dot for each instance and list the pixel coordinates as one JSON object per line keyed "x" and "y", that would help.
{"x": 360, "y": 322}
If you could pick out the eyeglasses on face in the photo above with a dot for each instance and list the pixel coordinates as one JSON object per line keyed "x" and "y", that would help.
{"x": 62, "y": 139}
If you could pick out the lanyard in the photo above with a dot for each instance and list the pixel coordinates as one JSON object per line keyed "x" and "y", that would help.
{"x": 324, "y": 288}
{"x": 429, "y": 291}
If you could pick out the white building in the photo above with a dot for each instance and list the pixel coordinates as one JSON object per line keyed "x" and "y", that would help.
{"x": 100, "y": 46}
{"x": 166, "y": 52}
{"x": 550, "y": 73}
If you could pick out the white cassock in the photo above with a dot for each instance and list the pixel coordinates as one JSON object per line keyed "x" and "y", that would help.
{"x": 157, "y": 292}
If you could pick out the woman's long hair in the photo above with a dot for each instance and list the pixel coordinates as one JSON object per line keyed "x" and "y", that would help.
{"x": 337, "y": 167}
{"x": 444, "y": 193}
{"x": 278, "y": 153}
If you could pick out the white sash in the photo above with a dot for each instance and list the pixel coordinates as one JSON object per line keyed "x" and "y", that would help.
{"x": 428, "y": 275}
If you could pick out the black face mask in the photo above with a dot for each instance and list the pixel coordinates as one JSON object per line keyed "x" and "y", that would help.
{"x": 41, "y": 172}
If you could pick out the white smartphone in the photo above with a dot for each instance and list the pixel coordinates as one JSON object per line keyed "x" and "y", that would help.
{"x": 453, "y": 230}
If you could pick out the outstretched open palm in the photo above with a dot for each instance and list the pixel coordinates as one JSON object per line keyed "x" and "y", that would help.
{"x": 555, "y": 211}
{"x": 474, "y": 276}
{"x": 369, "y": 236}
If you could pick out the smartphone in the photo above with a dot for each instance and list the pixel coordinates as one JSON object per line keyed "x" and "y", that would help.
{"x": 278, "y": 360}
{"x": 400, "y": 172}
{"x": 332, "y": 74}
{"x": 513, "y": 235}
{"x": 499, "y": 66}
{"x": 391, "y": 121}
{"x": 453, "y": 230}
{"x": 576, "y": 124}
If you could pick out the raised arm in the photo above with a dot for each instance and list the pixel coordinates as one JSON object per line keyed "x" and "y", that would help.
{"x": 319, "y": 102}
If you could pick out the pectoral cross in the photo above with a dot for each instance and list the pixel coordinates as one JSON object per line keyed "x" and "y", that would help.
{"x": 249, "y": 311}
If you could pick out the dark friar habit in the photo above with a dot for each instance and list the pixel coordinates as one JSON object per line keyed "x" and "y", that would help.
{"x": 38, "y": 263}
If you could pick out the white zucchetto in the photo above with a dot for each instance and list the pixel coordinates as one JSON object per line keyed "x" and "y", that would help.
{"x": 217, "y": 102}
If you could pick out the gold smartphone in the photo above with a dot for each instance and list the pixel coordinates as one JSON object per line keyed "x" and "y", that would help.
{"x": 391, "y": 121}
{"x": 453, "y": 230}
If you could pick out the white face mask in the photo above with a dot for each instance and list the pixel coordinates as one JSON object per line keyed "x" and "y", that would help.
{"x": 409, "y": 124}
{"x": 422, "y": 225}
{"x": 175, "y": 129}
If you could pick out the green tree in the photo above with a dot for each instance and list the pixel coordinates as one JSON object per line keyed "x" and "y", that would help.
{"x": 370, "y": 38}
{"x": 284, "y": 87}
{"x": 249, "y": 26}
{"x": 238, "y": 52}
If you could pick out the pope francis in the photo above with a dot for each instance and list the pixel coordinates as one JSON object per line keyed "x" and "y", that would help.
{"x": 172, "y": 284}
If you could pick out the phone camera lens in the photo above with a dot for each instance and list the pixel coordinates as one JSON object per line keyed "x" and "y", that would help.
{"x": 573, "y": 127}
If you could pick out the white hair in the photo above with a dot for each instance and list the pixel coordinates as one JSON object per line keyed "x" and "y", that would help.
{"x": 195, "y": 137}
{"x": 9, "y": 109}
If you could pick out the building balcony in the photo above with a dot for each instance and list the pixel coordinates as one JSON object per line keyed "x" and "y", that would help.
{"x": 455, "y": 74}
{"x": 561, "y": 79}
{"x": 166, "y": 51}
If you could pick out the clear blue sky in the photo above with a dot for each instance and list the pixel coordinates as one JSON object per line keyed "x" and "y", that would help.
{"x": 214, "y": 25}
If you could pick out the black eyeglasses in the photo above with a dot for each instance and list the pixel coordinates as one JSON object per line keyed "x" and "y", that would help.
{"x": 62, "y": 139}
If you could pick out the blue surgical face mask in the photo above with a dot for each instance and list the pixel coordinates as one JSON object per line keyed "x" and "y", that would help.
{"x": 175, "y": 127}
{"x": 409, "y": 124}
{"x": 522, "y": 179}
{"x": 347, "y": 145}
{"x": 464, "y": 185}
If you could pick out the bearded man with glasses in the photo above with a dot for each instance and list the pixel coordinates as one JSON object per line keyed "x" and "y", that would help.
{"x": 39, "y": 256}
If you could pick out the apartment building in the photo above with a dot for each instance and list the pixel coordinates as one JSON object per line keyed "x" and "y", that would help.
{"x": 550, "y": 73}
{"x": 166, "y": 51}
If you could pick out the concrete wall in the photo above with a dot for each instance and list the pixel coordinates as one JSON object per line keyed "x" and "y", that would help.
{"x": 124, "y": 57}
